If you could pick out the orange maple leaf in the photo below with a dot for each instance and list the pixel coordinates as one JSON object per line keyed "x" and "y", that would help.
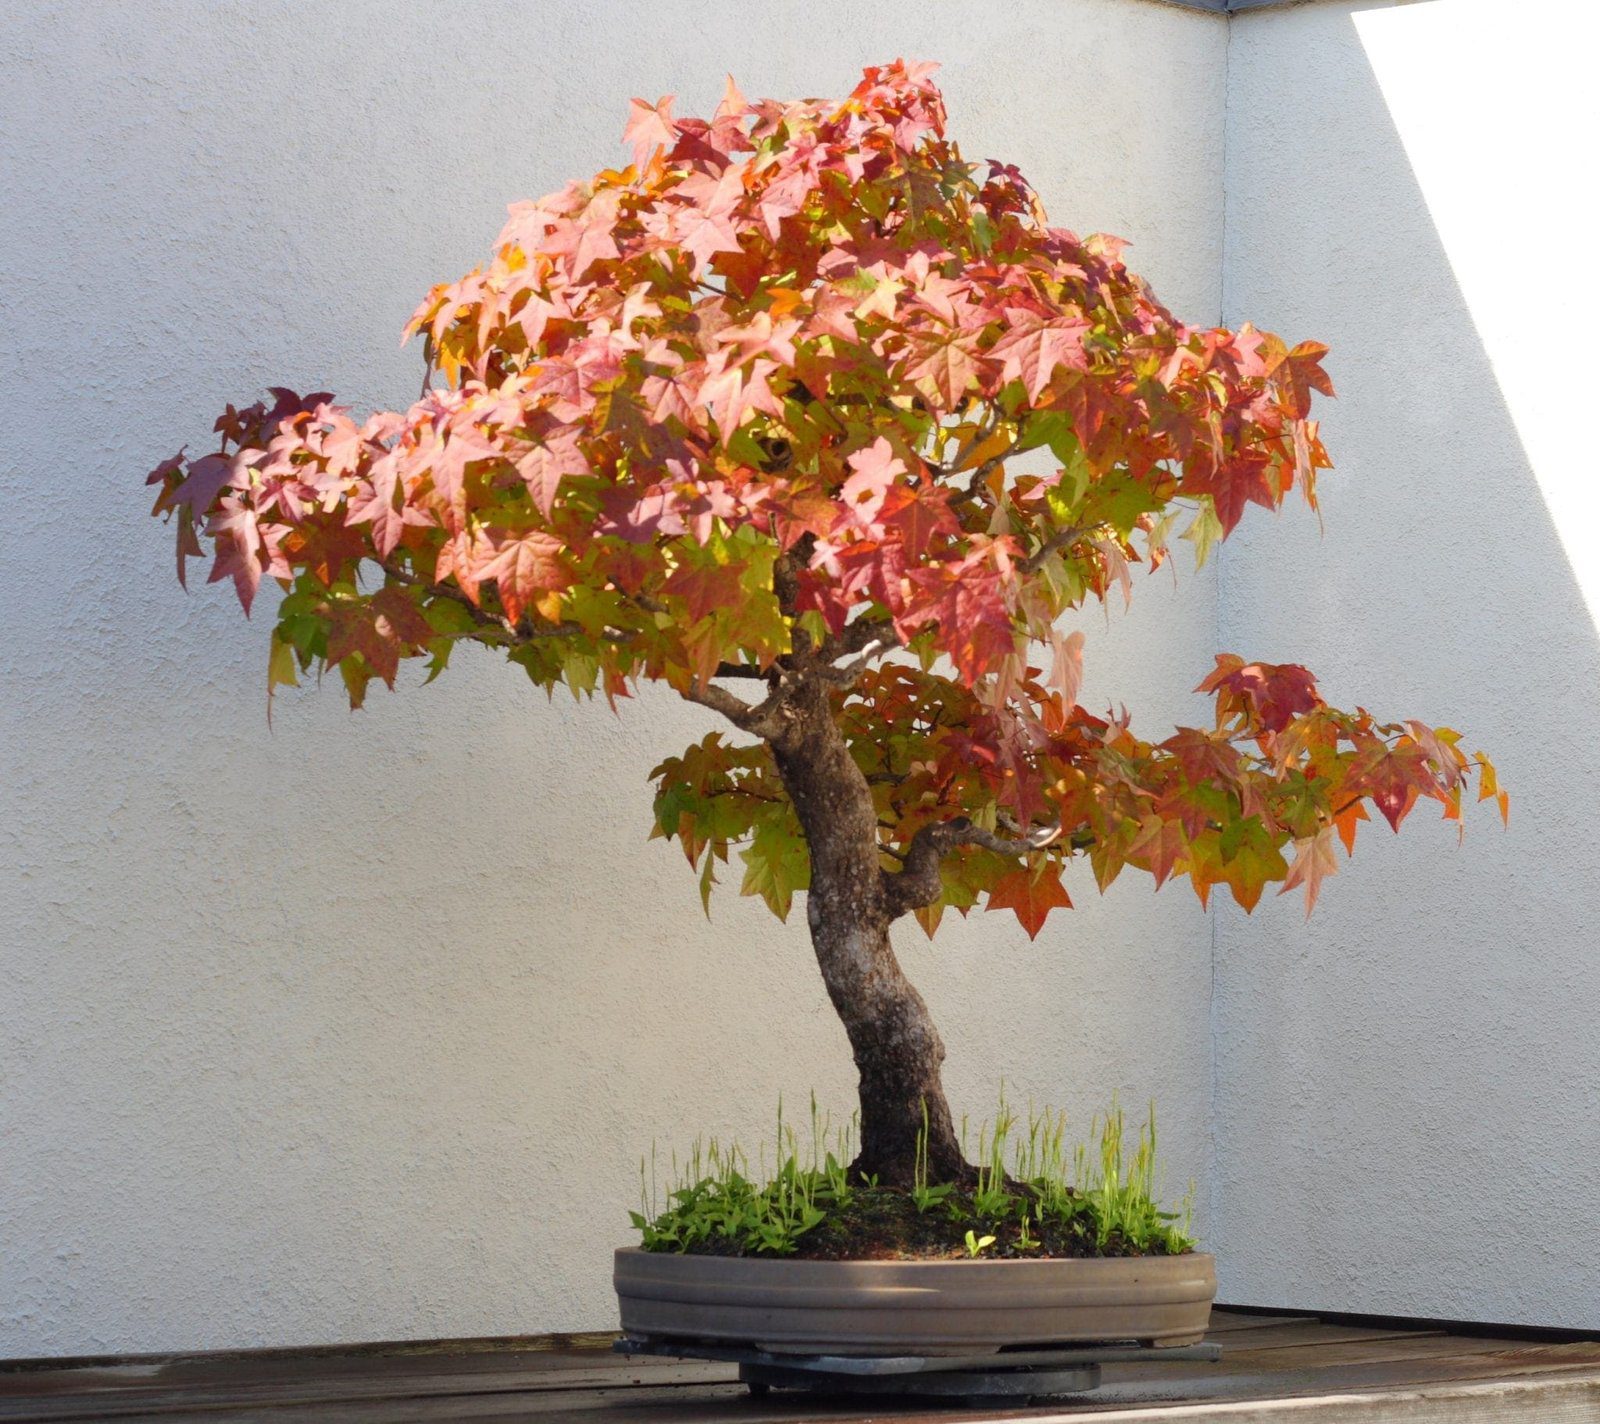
{"x": 1032, "y": 894}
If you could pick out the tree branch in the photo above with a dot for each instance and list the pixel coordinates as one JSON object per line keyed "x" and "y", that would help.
{"x": 719, "y": 699}
{"x": 979, "y": 475}
{"x": 846, "y": 673}
{"x": 988, "y": 428}
{"x": 510, "y": 636}
{"x": 764, "y": 719}
{"x": 526, "y": 632}
{"x": 455, "y": 595}
{"x": 858, "y": 635}
{"x": 1059, "y": 540}
{"x": 917, "y": 882}
{"x": 786, "y": 589}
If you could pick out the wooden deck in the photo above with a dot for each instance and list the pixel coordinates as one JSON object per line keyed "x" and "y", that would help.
{"x": 1273, "y": 1368}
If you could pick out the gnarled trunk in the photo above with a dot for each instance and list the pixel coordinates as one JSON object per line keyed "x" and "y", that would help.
{"x": 897, "y": 1049}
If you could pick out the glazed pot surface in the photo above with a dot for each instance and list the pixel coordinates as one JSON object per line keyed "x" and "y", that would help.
{"x": 913, "y": 1307}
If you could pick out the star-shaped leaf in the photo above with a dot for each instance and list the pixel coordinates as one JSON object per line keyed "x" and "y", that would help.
{"x": 1032, "y": 892}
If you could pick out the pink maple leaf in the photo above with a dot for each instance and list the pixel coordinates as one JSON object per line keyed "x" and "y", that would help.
{"x": 649, "y": 127}
{"x": 373, "y": 503}
{"x": 734, "y": 393}
{"x": 548, "y": 463}
{"x": 875, "y": 469}
{"x": 523, "y": 566}
{"x": 1034, "y": 346}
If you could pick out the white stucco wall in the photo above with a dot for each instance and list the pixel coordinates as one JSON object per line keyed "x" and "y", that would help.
{"x": 1408, "y": 1106}
{"x": 356, "y": 1030}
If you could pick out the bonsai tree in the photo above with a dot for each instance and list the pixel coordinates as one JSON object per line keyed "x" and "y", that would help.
{"x": 746, "y": 417}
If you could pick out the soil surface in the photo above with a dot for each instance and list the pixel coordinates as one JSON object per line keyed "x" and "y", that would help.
{"x": 883, "y": 1224}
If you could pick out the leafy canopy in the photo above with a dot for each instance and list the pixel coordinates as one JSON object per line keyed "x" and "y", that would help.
{"x": 744, "y": 409}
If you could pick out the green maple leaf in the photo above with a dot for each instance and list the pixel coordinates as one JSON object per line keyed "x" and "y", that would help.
{"x": 776, "y": 865}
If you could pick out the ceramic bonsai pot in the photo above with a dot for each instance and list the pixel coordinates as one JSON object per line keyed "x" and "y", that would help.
{"x": 941, "y": 1307}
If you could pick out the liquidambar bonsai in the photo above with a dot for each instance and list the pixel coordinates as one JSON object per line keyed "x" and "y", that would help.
{"x": 828, "y": 429}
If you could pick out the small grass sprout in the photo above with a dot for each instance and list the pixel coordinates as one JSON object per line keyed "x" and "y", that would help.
{"x": 923, "y": 1196}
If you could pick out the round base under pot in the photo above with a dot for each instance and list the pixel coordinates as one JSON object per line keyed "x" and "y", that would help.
{"x": 913, "y": 1307}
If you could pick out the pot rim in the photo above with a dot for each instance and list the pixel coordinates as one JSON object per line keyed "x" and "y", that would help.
{"x": 928, "y": 1263}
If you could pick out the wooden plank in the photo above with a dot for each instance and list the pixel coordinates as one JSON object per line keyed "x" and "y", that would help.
{"x": 1303, "y": 1334}
{"x": 552, "y": 1341}
{"x": 1537, "y": 1401}
{"x": 1356, "y": 1352}
{"x": 603, "y": 1405}
{"x": 555, "y": 1352}
{"x": 1224, "y": 1321}
{"x": 713, "y": 1404}
{"x": 1241, "y": 1372}
{"x": 291, "y": 1388}
{"x": 201, "y": 1373}
{"x": 289, "y": 1376}
{"x": 1122, "y": 1387}
{"x": 403, "y": 1358}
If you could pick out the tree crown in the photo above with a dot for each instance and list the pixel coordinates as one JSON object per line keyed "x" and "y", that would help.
{"x": 750, "y": 408}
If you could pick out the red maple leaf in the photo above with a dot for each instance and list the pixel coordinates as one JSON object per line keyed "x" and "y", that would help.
{"x": 1203, "y": 758}
{"x": 736, "y": 393}
{"x": 207, "y": 476}
{"x": 1032, "y": 894}
{"x": 1160, "y": 843}
{"x": 1393, "y": 777}
{"x": 1297, "y": 372}
{"x": 381, "y": 629}
{"x": 873, "y": 472}
{"x": 704, "y": 589}
{"x": 705, "y": 227}
{"x": 373, "y": 503}
{"x": 1314, "y": 862}
{"x": 1269, "y": 695}
{"x": 968, "y": 601}
{"x": 920, "y": 517}
{"x": 1244, "y": 479}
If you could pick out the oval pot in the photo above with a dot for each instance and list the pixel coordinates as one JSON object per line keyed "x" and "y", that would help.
{"x": 913, "y": 1307}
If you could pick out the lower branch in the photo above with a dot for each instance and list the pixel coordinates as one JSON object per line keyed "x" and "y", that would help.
{"x": 480, "y": 616}
{"x": 917, "y": 882}
{"x": 767, "y": 719}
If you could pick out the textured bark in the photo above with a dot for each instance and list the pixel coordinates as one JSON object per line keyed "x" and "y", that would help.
{"x": 897, "y": 1049}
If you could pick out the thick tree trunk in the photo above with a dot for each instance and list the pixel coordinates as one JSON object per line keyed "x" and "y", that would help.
{"x": 896, "y": 1047}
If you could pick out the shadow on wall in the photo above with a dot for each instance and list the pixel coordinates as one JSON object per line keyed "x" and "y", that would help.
{"x": 1408, "y": 1099}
